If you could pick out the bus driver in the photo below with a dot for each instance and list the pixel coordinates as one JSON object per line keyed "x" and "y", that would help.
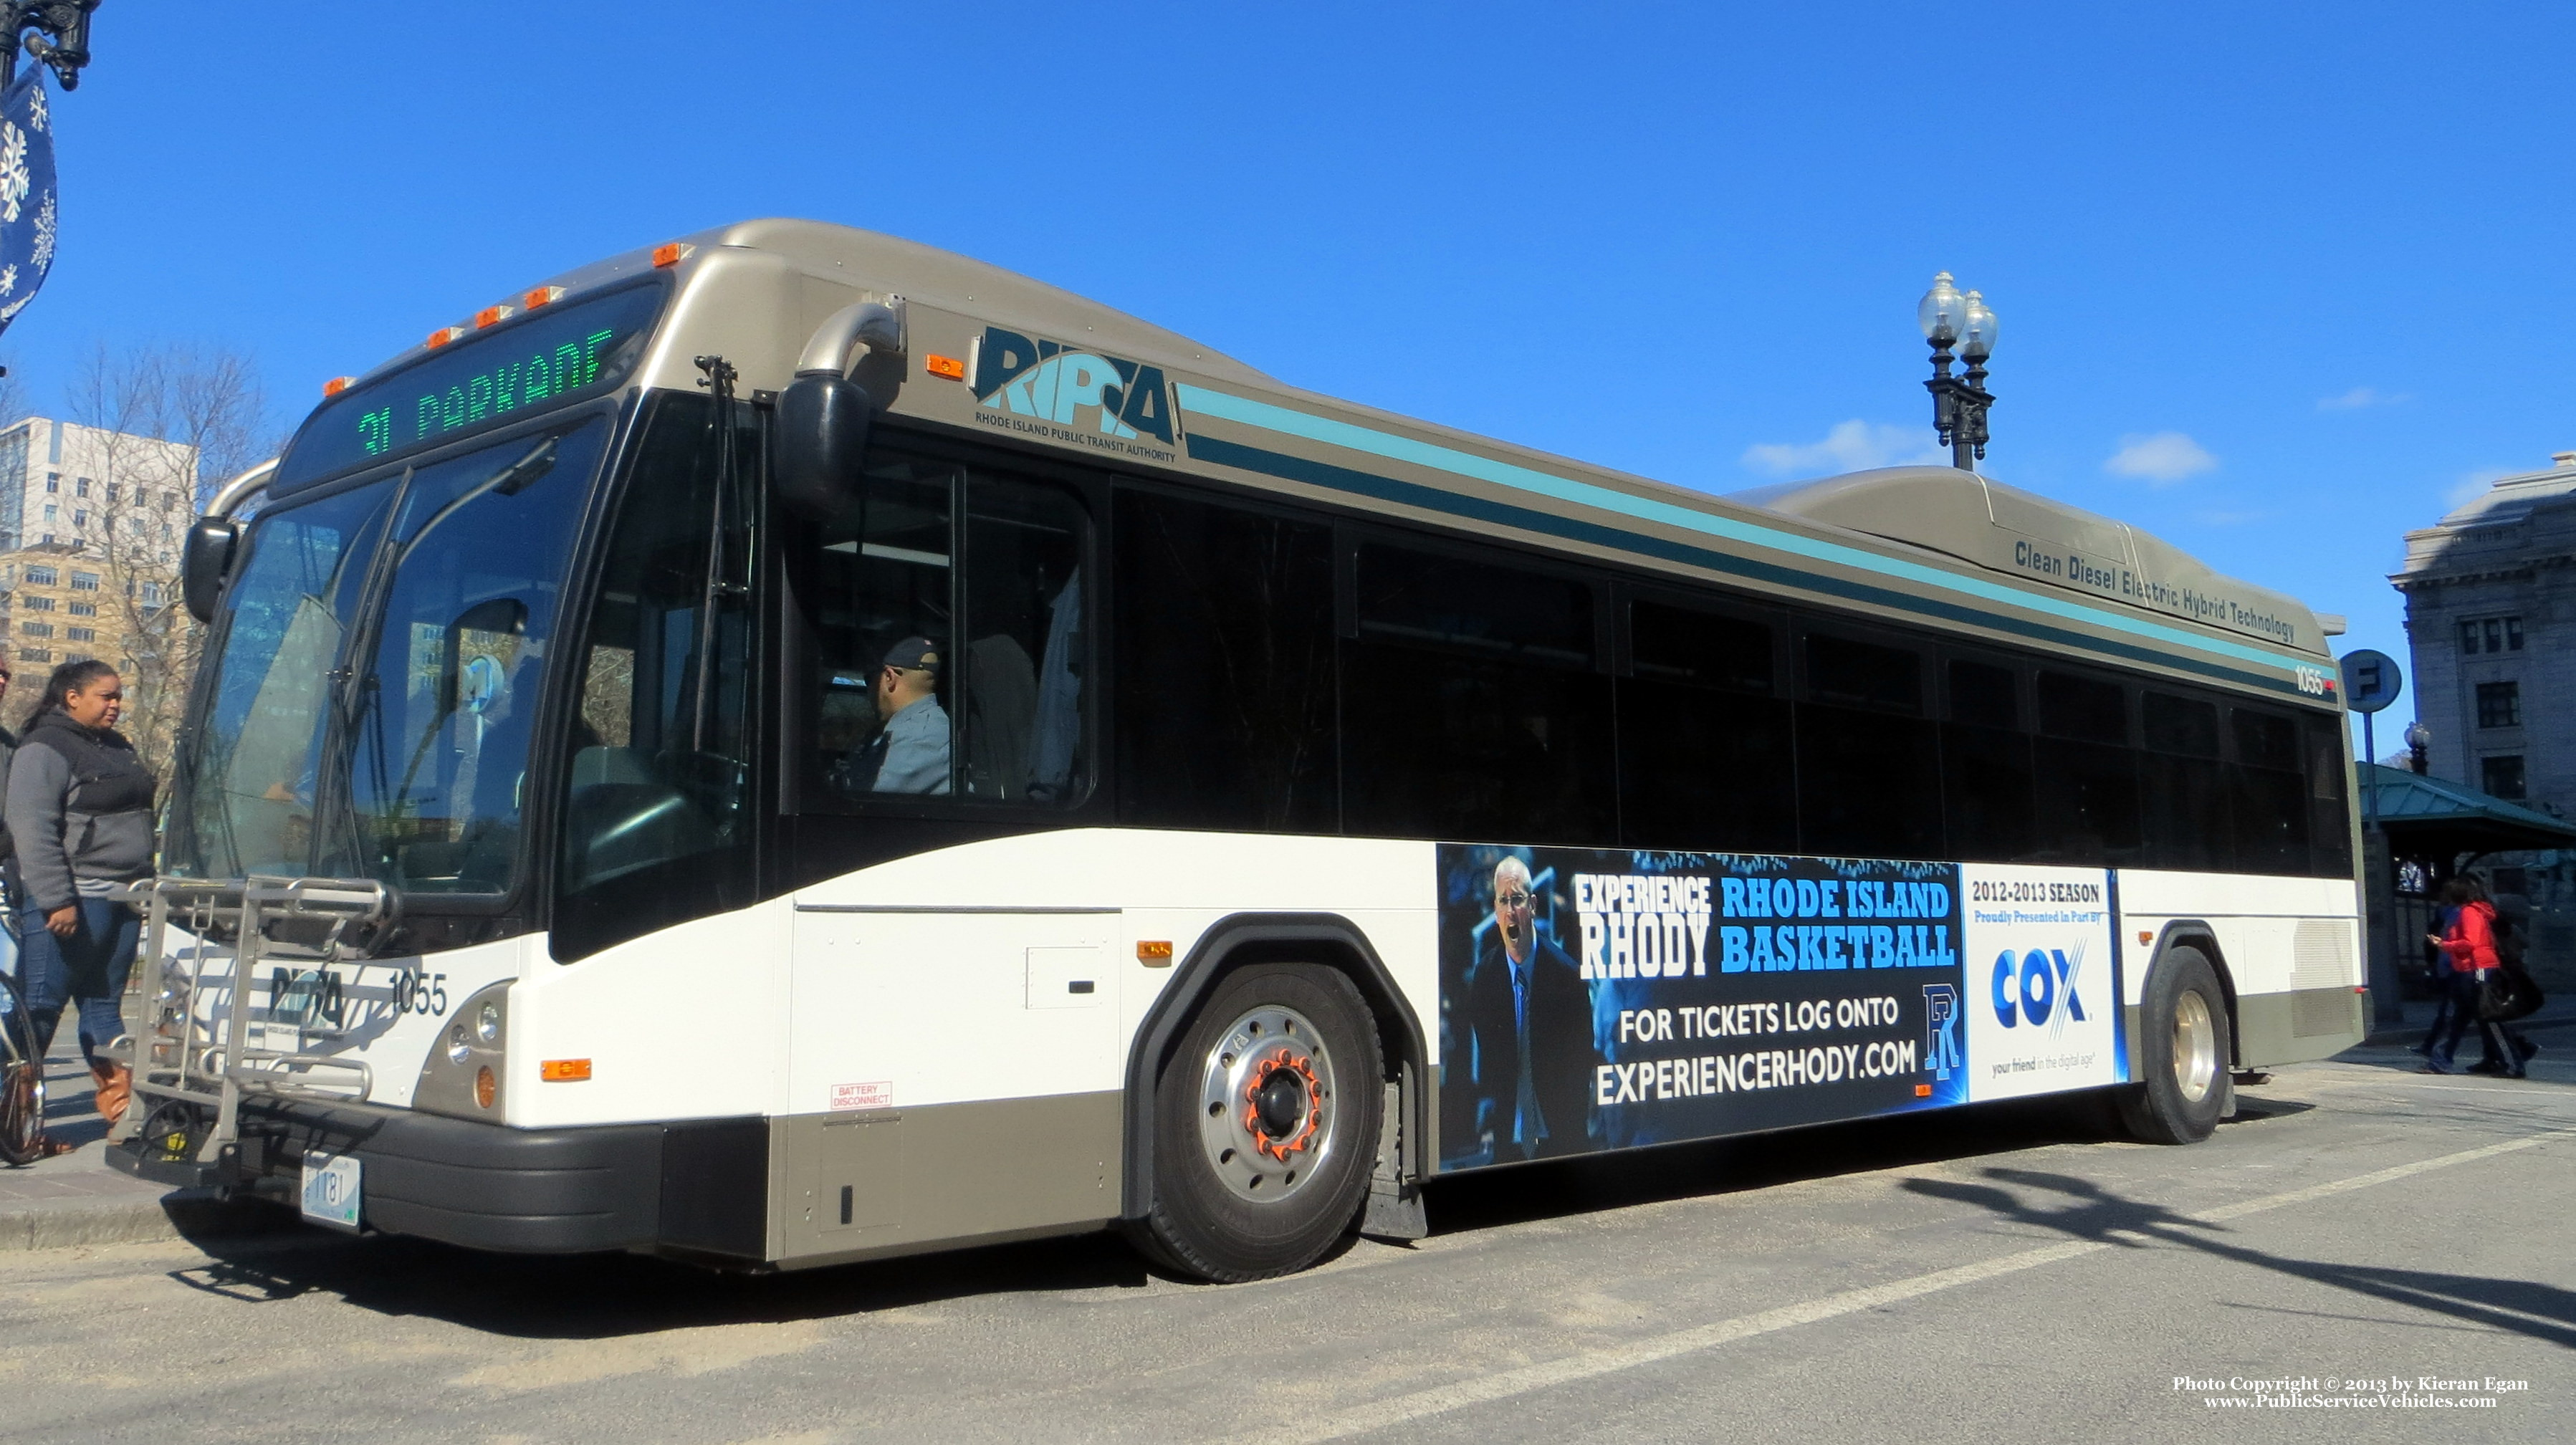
{"x": 911, "y": 753}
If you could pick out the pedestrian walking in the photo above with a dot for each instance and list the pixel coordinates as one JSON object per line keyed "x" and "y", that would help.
{"x": 79, "y": 809}
{"x": 2469, "y": 946}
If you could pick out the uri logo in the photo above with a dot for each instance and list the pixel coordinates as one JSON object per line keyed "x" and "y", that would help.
{"x": 1941, "y": 1030}
{"x": 1050, "y": 381}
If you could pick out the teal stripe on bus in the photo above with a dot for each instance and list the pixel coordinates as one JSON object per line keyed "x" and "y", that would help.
{"x": 1205, "y": 448}
{"x": 1268, "y": 417}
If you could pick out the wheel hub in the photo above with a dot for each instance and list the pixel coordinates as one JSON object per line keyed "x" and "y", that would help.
{"x": 2195, "y": 1047}
{"x": 1266, "y": 1097}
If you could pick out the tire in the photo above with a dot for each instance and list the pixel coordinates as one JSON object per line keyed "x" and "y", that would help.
{"x": 22, "y": 1083}
{"x": 1265, "y": 1126}
{"x": 2184, "y": 1049}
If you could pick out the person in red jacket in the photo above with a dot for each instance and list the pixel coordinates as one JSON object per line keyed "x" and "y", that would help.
{"x": 2468, "y": 945}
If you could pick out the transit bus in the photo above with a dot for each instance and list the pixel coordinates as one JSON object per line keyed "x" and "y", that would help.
{"x": 792, "y": 746}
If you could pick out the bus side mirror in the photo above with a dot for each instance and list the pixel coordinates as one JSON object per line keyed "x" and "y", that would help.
{"x": 208, "y": 556}
{"x": 821, "y": 441}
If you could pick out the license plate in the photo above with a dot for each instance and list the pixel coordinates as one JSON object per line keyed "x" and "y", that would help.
{"x": 331, "y": 1189}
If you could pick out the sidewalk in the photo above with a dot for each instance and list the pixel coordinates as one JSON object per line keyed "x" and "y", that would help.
{"x": 76, "y": 1198}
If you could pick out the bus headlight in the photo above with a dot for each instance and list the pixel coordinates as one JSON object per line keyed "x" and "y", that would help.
{"x": 464, "y": 1076}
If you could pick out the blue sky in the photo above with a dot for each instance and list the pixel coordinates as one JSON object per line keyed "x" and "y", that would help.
{"x": 2275, "y": 281}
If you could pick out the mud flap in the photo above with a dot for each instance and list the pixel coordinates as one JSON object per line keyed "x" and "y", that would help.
{"x": 1394, "y": 1208}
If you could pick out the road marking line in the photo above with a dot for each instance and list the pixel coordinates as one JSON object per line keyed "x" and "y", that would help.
{"x": 1439, "y": 1400}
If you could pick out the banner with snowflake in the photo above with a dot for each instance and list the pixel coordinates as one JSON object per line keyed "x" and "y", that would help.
{"x": 26, "y": 192}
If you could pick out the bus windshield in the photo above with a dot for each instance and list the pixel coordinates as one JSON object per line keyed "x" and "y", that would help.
{"x": 372, "y": 702}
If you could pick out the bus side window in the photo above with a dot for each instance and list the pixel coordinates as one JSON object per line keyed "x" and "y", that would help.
{"x": 2330, "y": 827}
{"x": 969, "y": 586}
{"x": 1470, "y": 705}
{"x": 2271, "y": 795}
{"x": 2088, "y": 773}
{"x": 1704, "y": 738}
{"x": 884, "y": 574}
{"x": 2185, "y": 786}
{"x": 1869, "y": 764}
{"x": 1224, "y": 667}
{"x": 1985, "y": 765}
{"x": 1024, "y": 666}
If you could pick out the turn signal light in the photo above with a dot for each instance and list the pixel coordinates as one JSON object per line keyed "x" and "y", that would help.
{"x": 669, "y": 253}
{"x": 1923, "y": 1091}
{"x": 2145, "y": 937}
{"x": 1155, "y": 953}
{"x": 564, "y": 1071}
{"x": 541, "y": 296}
{"x": 947, "y": 366}
{"x": 486, "y": 1088}
{"x": 489, "y": 315}
{"x": 337, "y": 385}
{"x": 444, "y": 335}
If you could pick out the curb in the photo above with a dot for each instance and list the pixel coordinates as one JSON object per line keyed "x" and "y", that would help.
{"x": 178, "y": 1216}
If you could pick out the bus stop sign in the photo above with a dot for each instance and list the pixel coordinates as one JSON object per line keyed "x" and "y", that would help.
{"x": 2371, "y": 680}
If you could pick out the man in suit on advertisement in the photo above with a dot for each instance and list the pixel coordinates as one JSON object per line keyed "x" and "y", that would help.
{"x": 1530, "y": 1016}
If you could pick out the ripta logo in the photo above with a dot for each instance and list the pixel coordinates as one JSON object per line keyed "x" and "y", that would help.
{"x": 1054, "y": 382}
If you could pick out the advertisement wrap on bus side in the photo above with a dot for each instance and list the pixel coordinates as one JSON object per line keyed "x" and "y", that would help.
{"x": 1597, "y": 999}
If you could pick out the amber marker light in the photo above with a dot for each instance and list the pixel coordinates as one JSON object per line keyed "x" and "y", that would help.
{"x": 947, "y": 366}
{"x": 443, "y": 335}
{"x": 337, "y": 385}
{"x": 542, "y": 296}
{"x": 489, "y": 316}
{"x": 564, "y": 1071}
{"x": 486, "y": 1088}
{"x": 1155, "y": 953}
{"x": 669, "y": 253}
{"x": 1923, "y": 1091}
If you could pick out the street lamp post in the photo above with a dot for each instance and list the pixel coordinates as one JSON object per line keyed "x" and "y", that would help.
{"x": 2419, "y": 747}
{"x": 61, "y": 37}
{"x": 1958, "y": 402}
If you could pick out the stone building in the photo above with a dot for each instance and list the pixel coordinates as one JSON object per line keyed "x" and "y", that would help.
{"x": 2491, "y": 622}
{"x": 2491, "y": 625}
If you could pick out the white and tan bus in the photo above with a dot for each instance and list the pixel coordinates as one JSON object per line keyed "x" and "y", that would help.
{"x": 793, "y": 746}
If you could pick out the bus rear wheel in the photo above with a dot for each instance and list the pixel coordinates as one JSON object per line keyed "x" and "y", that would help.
{"x": 2183, "y": 1052}
{"x": 1264, "y": 1124}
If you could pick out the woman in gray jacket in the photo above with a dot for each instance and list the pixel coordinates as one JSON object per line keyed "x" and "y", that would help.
{"x": 80, "y": 812}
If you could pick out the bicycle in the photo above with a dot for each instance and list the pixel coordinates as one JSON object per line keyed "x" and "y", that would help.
{"x": 22, "y": 1080}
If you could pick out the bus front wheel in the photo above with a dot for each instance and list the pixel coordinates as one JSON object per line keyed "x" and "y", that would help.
{"x": 2183, "y": 1052}
{"x": 1263, "y": 1125}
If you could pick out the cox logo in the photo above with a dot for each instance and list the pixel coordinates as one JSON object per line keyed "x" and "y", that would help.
{"x": 2038, "y": 989}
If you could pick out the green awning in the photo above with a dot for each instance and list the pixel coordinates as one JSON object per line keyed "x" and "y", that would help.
{"x": 2436, "y": 815}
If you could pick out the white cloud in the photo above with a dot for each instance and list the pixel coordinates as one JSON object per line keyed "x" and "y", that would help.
{"x": 2159, "y": 459}
{"x": 1850, "y": 446}
{"x": 2473, "y": 485}
{"x": 2363, "y": 397}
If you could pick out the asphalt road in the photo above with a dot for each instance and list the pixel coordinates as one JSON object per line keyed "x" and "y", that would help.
{"x": 1999, "y": 1274}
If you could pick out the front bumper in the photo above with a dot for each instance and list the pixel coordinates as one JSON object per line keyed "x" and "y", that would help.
{"x": 696, "y": 1187}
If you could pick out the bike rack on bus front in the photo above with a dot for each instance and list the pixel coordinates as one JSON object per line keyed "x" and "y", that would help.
{"x": 206, "y": 1063}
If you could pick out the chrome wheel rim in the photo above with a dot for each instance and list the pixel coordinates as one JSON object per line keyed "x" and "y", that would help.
{"x": 1269, "y": 1114}
{"x": 2195, "y": 1048}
